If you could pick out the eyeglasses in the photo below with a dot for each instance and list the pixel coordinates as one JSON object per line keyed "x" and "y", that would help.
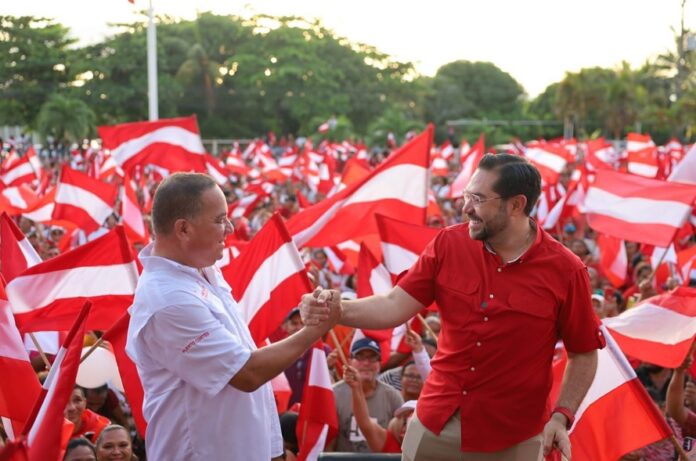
{"x": 477, "y": 199}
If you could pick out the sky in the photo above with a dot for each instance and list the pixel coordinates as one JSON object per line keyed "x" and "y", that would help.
{"x": 536, "y": 41}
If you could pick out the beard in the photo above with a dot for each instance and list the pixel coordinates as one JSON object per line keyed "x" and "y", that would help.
{"x": 485, "y": 230}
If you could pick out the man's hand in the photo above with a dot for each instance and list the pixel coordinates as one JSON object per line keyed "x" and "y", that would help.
{"x": 556, "y": 436}
{"x": 350, "y": 376}
{"x": 315, "y": 310}
{"x": 413, "y": 341}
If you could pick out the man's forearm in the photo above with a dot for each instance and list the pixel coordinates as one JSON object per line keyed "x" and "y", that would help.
{"x": 380, "y": 311}
{"x": 577, "y": 379}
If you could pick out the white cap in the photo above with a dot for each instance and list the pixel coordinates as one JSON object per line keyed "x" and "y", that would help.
{"x": 407, "y": 407}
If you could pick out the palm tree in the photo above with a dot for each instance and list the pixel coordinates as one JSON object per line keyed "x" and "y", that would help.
{"x": 198, "y": 69}
{"x": 65, "y": 119}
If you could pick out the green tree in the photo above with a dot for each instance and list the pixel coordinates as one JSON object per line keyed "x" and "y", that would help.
{"x": 65, "y": 119}
{"x": 199, "y": 72}
{"x": 34, "y": 65}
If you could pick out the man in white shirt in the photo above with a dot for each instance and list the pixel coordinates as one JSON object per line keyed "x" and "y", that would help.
{"x": 206, "y": 386}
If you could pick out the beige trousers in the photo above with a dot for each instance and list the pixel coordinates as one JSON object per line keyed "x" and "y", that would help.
{"x": 422, "y": 445}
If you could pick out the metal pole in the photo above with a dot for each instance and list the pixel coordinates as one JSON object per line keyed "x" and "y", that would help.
{"x": 152, "y": 65}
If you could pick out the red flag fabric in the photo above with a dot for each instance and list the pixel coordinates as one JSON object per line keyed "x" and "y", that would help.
{"x": 469, "y": 162}
{"x": 173, "y": 144}
{"x": 16, "y": 253}
{"x": 618, "y": 400}
{"x": 216, "y": 169}
{"x": 638, "y": 209}
{"x": 18, "y": 393}
{"x": 268, "y": 279}
{"x": 549, "y": 159}
{"x": 398, "y": 187}
{"x": 644, "y": 162}
{"x": 17, "y": 199}
{"x": 48, "y": 296}
{"x": 44, "y": 437}
{"x": 402, "y": 242}
{"x": 613, "y": 259}
{"x": 23, "y": 170}
{"x": 317, "y": 422}
{"x": 132, "y": 385}
{"x": 82, "y": 200}
{"x": 42, "y": 210}
{"x": 659, "y": 330}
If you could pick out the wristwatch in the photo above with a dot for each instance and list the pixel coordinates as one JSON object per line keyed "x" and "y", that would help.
{"x": 567, "y": 413}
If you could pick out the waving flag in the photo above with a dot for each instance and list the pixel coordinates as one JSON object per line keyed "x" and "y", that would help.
{"x": 268, "y": 279}
{"x": 132, "y": 215}
{"x": 402, "y": 242}
{"x": 638, "y": 209}
{"x": 17, "y": 199}
{"x": 317, "y": 423}
{"x": 618, "y": 400}
{"x": 613, "y": 259}
{"x": 16, "y": 253}
{"x": 549, "y": 159}
{"x": 173, "y": 144}
{"x": 659, "y": 330}
{"x": 644, "y": 162}
{"x": 23, "y": 170}
{"x": 48, "y": 296}
{"x": 82, "y": 200}
{"x": 469, "y": 162}
{"x": 18, "y": 394}
{"x": 398, "y": 187}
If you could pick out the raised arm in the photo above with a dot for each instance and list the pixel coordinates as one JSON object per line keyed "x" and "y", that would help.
{"x": 375, "y": 435}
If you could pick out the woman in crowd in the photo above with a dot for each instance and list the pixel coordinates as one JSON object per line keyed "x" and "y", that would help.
{"x": 114, "y": 444}
{"x": 87, "y": 423}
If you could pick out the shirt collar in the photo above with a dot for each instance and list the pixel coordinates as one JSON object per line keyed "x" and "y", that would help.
{"x": 149, "y": 261}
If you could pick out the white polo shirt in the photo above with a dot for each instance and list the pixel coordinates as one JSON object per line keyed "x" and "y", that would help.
{"x": 187, "y": 341}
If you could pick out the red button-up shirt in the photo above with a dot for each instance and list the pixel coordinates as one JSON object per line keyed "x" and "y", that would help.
{"x": 500, "y": 323}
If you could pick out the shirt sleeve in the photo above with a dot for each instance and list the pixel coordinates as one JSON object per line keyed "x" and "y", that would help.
{"x": 578, "y": 325}
{"x": 422, "y": 361}
{"x": 192, "y": 343}
{"x": 419, "y": 280}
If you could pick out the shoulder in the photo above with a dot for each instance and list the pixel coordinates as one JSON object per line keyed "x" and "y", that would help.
{"x": 560, "y": 254}
{"x": 388, "y": 390}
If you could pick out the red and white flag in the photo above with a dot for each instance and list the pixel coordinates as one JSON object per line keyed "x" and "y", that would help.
{"x": 637, "y": 141}
{"x": 82, "y": 200}
{"x": 217, "y": 170}
{"x": 42, "y": 210}
{"x": 16, "y": 253}
{"x": 268, "y": 279}
{"x": 685, "y": 171}
{"x": 402, "y": 242}
{"x": 16, "y": 200}
{"x": 438, "y": 165}
{"x": 338, "y": 261}
{"x": 44, "y": 436}
{"x": 398, "y": 187}
{"x": 20, "y": 388}
{"x": 658, "y": 330}
{"x": 549, "y": 159}
{"x": 638, "y": 209}
{"x": 618, "y": 400}
{"x": 48, "y": 296}
{"x": 644, "y": 162}
{"x": 317, "y": 422}
{"x": 173, "y": 144}
{"x": 133, "y": 222}
{"x": 469, "y": 162}
{"x": 600, "y": 155}
{"x": 613, "y": 259}
{"x": 23, "y": 170}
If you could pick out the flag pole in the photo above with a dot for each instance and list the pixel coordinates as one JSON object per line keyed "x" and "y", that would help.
{"x": 41, "y": 351}
{"x": 427, "y": 327}
{"x": 152, "y": 66}
{"x": 339, "y": 347}
{"x": 94, "y": 346}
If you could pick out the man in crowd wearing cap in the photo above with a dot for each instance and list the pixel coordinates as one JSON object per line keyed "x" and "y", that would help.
{"x": 507, "y": 292}
{"x": 382, "y": 399}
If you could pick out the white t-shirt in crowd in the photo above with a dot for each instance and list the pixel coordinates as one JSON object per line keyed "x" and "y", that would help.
{"x": 187, "y": 341}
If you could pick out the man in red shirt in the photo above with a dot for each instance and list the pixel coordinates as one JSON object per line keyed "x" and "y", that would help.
{"x": 507, "y": 292}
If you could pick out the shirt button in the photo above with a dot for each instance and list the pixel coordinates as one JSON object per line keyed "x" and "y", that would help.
{"x": 463, "y": 392}
{"x": 485, "y": 319}
{"x": 478, "y": 343}
{"x": 491, "y": 296}
{"x": 500, "y": 270}
{"x": 473, "y": 369}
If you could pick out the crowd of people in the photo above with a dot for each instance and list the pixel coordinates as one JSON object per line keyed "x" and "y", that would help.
{"x": 375, "y": 397}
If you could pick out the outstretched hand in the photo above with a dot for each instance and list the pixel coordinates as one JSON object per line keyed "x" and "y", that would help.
{"x": 321, "y": 306}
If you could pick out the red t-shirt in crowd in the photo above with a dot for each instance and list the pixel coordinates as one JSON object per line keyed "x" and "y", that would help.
{"x": 500, "y": 323}
{"x": 92, "y": 425}
{"x": 391, "y": 445}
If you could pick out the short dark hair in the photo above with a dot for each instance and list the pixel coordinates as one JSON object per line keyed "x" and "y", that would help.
{"x": 79, "y": 442}
{"x": 178, "y": 196}
{"x": 516, "y": 176}
{"x": 403, "y": 367}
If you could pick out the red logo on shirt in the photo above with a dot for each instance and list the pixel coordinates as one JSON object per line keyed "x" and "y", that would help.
{"x": 195, "y": 341}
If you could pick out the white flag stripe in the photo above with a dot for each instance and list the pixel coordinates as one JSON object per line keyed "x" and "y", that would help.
{"x": 613, "y": 370}
{"x": 42, "y": 214}
{"x": 93, "y": 205}
{"x": 132, "y": 215}
{"x": 116, "y": 279}
{"x": 350, "y": 245}
{"x": 15, "y": 198}
{"x": 635, "y": 209}
{"x": 547, "y": 159}
{"x": 11, "y": 343}
{"x": 685, "y": 171}
{"x": 17, "y": 172}
{"x": 215, "y": 174}
{"x": 620, "y": 262}
{"x": 319, "y": 446}
{"x": 30, "y": 255}
{"x": 169, "y": 135}
{"x": 642, "y": 169}
{"x": 650, "y": 322}
{"x": 305, "y": 235}
{"x": 391, "y": 184}
{"x": 397, "y": 258}
{"x": 48, "y": 384}
{"x": 380, "y": 280}
{"x": 319, "y": 370}
{"x": 283, "y": 263}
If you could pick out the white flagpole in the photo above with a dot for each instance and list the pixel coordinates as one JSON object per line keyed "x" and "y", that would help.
{"x": 152, "y": 65}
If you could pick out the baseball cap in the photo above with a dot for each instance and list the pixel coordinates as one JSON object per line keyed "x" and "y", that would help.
{"x": 295, "y": 310}
{"x": 365, "y": 344}
{"x": 408, "y": 406}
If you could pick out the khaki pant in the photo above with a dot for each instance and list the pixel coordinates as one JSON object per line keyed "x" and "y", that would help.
{"x": 422, "y": 445}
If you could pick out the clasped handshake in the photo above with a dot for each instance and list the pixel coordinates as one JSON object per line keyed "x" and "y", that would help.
{"x": 322, "y": 308}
